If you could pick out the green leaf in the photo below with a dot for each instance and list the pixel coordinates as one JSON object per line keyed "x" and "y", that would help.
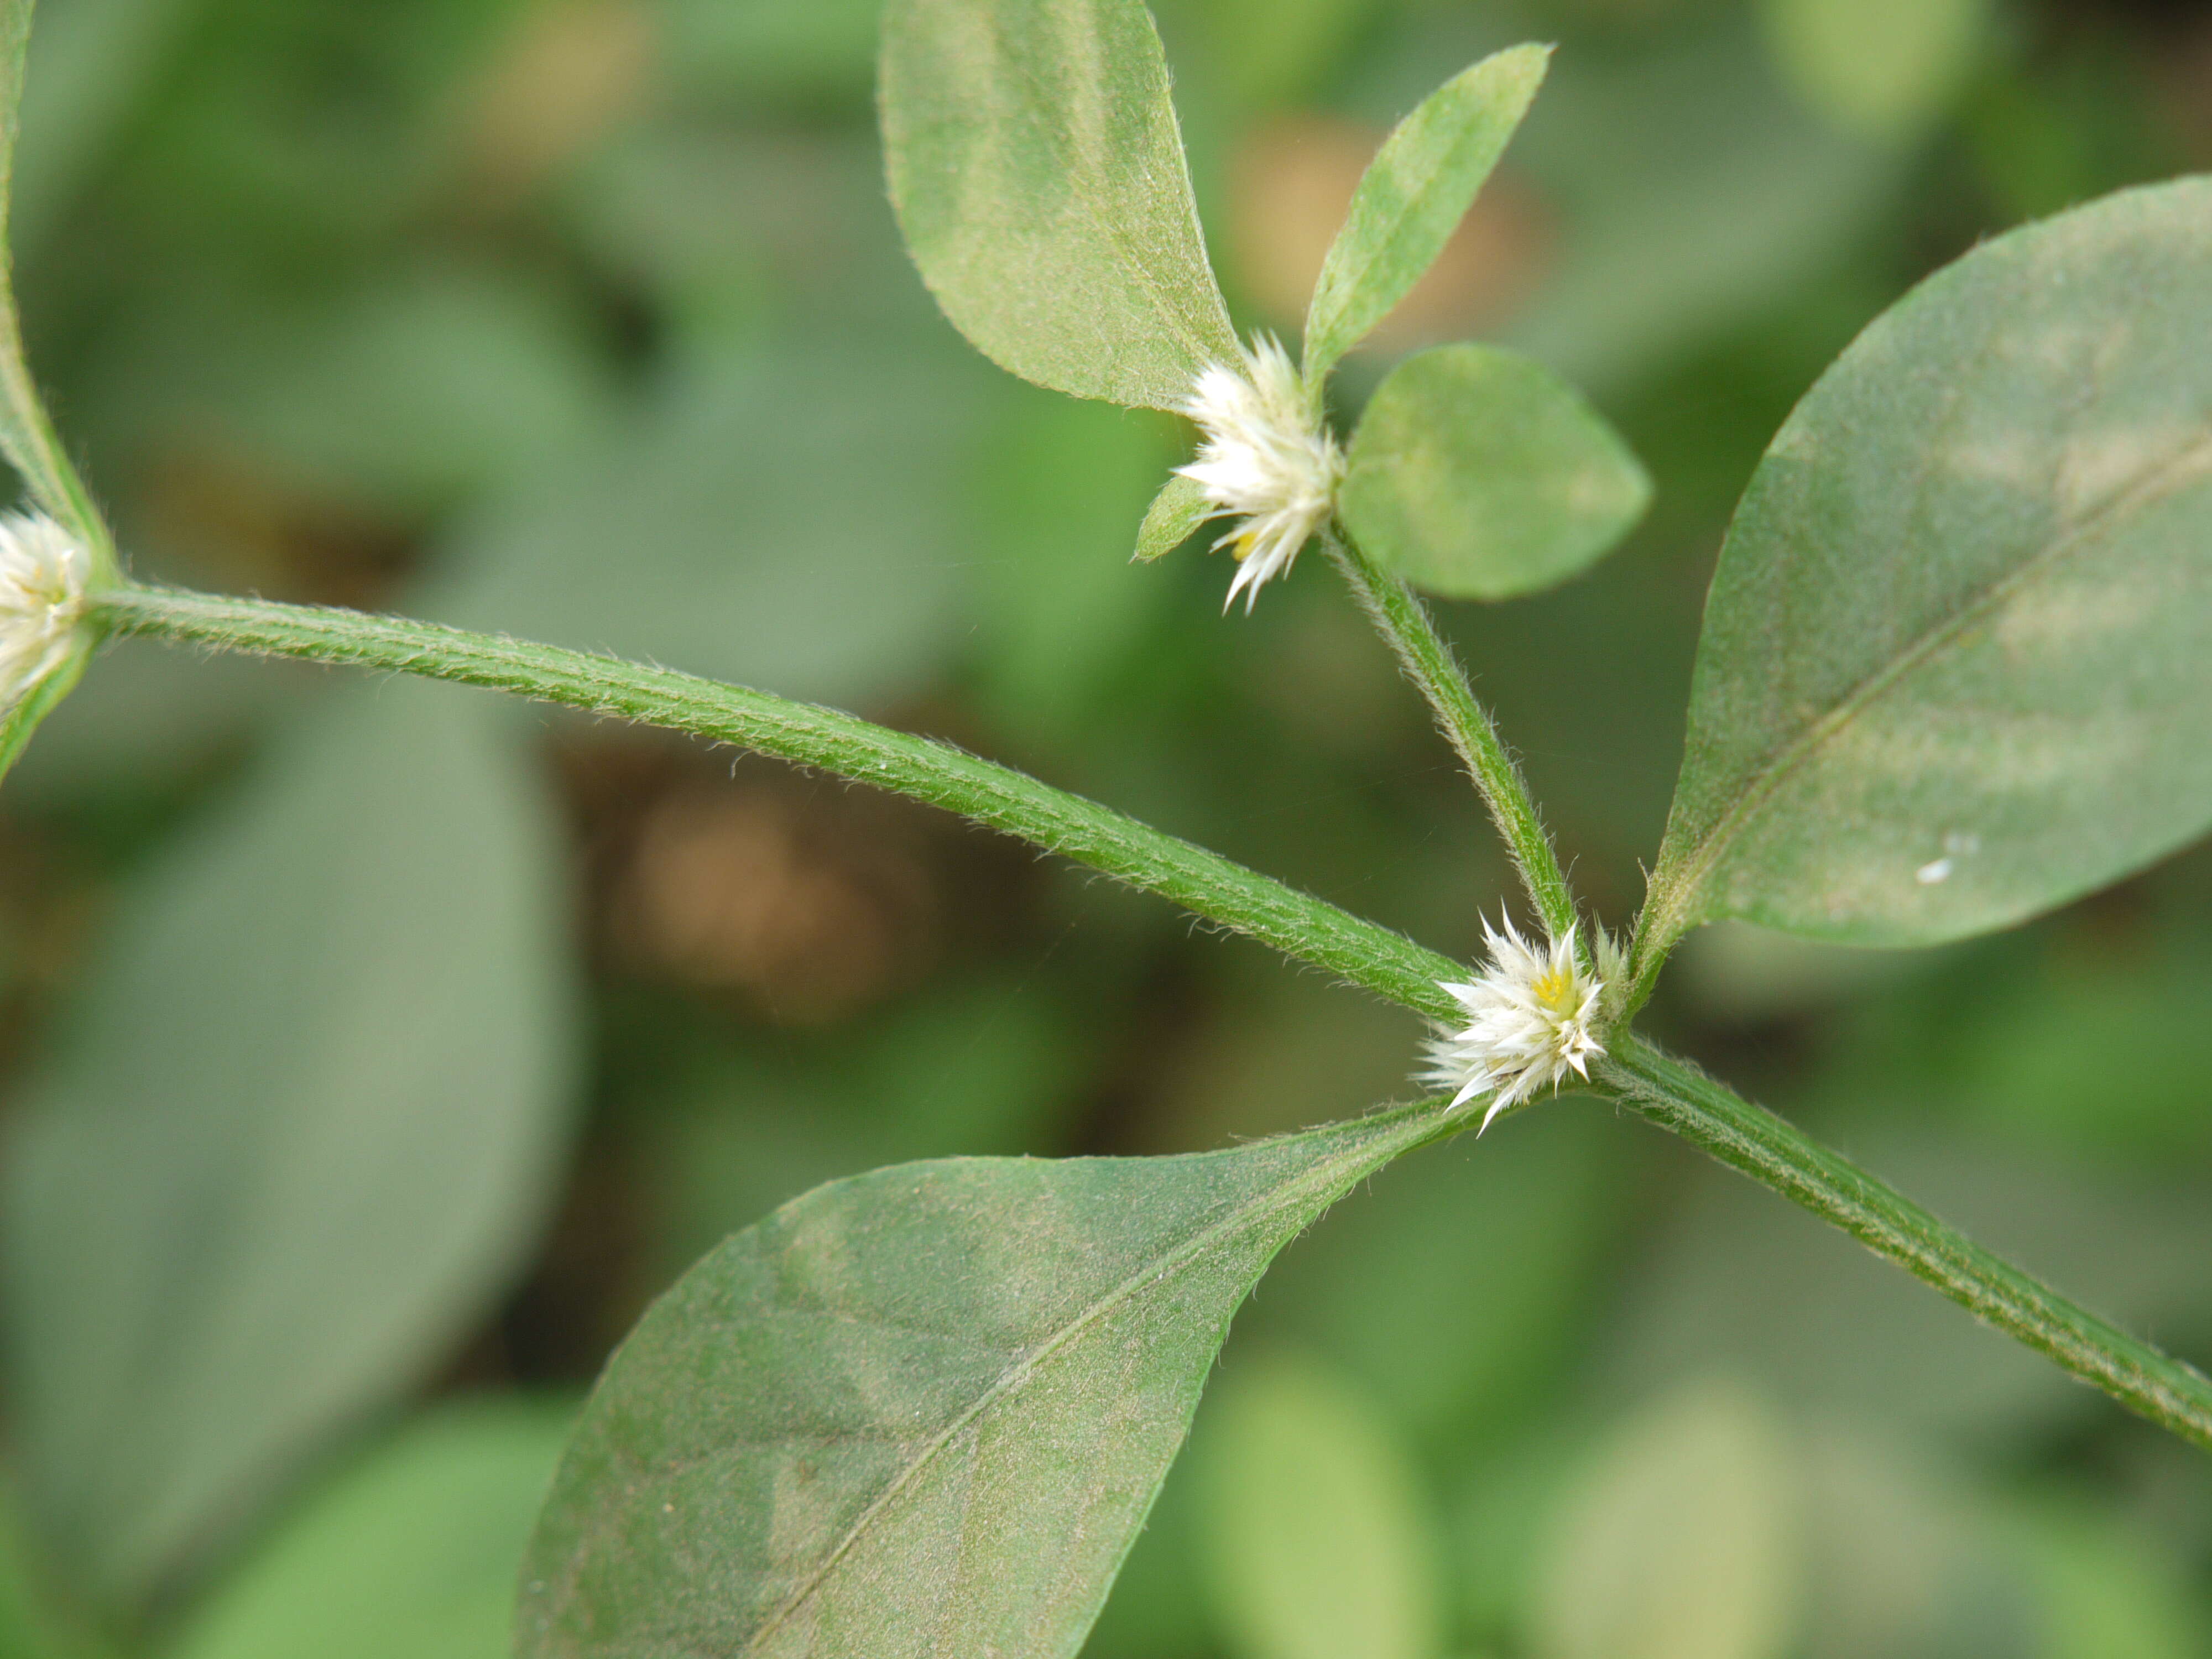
{"x": 1955, "y": 667}
{"x": 414, "y": 1551}
{"x": 1320, "y": 1543}
{"x": 1038, "y": 173}
{"x": 1681, "y": 1541}
{"x": 920, "y": 1412}
{"x": 1414, "y": 195}
{"x": 1179, "y": 508}
{"x": 20, "y": 721}
{"x": 26, "y": 435}
{"x": 301, "y": 1131}
{"x": 1479, "y": 474}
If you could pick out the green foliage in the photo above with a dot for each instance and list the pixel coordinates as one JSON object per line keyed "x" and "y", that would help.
{"x": 1038, "y": 171}
{"x": 1884, "y": 68}
{"x": 921, "y": 1411}
{"x": 413, "y": 1551}
{"x": 1952, "y": 673}
{"x": 26, "y": 436}
{"x": 1319, "y": 1543}
{"x": 1676, "y": 1543}
{"x": 1175, "y": 512}
{"x": 782, "y": 515}
{"x": 1414, "y": 195}
{"x": 307, "y": 1125}
{"x": 1477, "y": 473}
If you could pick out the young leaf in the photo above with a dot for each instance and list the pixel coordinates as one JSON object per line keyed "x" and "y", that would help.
{"x": 1479, "y": 474}
{"x": 26, "y": 436}
{"x": 1956, "y": 665}
{"x": 1412, "y": 197}
{"x": 1038, "y": 173}
{"x": 307, "y": 1121}
{"x": 920, "y": 1412}
{"x": 1178, "y": 509}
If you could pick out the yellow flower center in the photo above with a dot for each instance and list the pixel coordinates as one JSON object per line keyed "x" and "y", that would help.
{"x": 1555, "y": 989}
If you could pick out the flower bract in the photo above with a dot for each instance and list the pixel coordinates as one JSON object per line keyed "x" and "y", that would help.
{"x": 1529, "y": 1015}
{"x": 1265, "y": 460}
{"x": 43, "y": 573}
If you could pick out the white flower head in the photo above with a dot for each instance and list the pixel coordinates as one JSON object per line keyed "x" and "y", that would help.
{"x": 1528, "y": 1019}
{"x": 43, "y": 574}
{"x": 1263, "y": 458}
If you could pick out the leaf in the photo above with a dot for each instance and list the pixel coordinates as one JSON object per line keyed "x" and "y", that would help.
{"x": 414, "y": 1551}
{"x": 1414, "y": 195}
{"x": 1479, "y": 474}
{"x": 1179, "y": 509}
{"x": 1038, "y": 173}
{"x": 20, "y": 720}
{"x": 1320, "y": 1544}
{"x": 26, "y": 435}
{"x": 1956, "y": 669}
{"x": 1881, "y": 68}
{"x": 1681, "y": 1541}
{"x": 302, "y": 1130}
{"x": 920, "y": 1412}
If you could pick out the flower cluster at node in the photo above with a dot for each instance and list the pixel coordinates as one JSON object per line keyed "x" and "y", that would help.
{"x": 43, "y": 573}
{"x": 1263, "y": 458}
{"x": 1528, "y": 1019}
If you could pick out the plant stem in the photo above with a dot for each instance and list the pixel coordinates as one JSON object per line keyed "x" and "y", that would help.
{"x": 1665, "y": 1091}
{"x": 1405, "y": 622}
{"x": 1677, "y": 1095}
{"x": 1301, "y": 927}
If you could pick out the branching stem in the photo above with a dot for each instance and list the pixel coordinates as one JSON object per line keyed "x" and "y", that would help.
{"x": 1663, "y": 1090}
{"x": 1401, "y": 617}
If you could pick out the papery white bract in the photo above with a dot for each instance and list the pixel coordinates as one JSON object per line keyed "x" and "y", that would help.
{"x": 1528, "y": 1024}
{"x": 43, "y": 573}
{"x": 1262, "y": 457}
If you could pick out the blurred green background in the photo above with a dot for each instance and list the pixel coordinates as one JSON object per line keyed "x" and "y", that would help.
{"x": 373, "y": 1053}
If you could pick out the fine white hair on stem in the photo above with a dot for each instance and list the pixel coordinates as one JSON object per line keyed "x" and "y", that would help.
{"x": 43, "y": 574}
{"x": 1529, "y": 1018}
{"x": 1262, "y": 459}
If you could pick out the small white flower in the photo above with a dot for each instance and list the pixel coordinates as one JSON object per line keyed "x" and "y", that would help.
{"x": 43, "y": 573}
{"x": 1263, "y": 458}
{"x": 1528, "y": 1024}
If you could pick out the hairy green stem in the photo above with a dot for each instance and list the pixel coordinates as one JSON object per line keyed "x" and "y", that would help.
{"x": 1405, "y": 622}
{"x": 1300, "y": 926}
{"x": 1665, "y": 1091}
{"x": 1678, "y": 1096}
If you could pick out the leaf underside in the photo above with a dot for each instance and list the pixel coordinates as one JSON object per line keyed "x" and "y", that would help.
{"x": 1037, "y": 169}
{"x": 1957, "y": 662}
{"x": 1477, "y": 473}
{"x": 921, "y": 1412}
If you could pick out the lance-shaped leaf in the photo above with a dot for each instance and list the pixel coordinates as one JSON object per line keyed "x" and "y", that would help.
{"x": 1957, "y": 661}
{"x": 1479, "y": 474}
{"x": 921, "y": 1412}
{"x": 1413, "y": 195}
{"x": 1038, "y": 173}
{"x": 26, "y": 436}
